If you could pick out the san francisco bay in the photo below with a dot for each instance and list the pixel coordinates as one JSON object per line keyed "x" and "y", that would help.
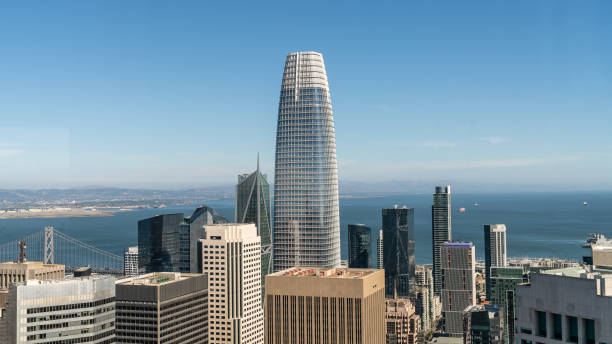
{"x": 539, "y": 224}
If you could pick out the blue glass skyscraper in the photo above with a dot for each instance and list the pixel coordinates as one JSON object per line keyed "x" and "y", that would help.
{"x": 306, "y": 214}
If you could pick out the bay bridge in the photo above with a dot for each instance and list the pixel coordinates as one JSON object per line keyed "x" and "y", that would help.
{"x": 51, "y": 246}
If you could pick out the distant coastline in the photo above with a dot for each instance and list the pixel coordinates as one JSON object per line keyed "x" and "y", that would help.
{"x": 38, "y": 213}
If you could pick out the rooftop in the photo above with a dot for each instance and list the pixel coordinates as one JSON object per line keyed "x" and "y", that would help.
{"x": 325, "y": 272}
{"x": 580, "y": 272}
{"x": 31, "y": 264}
{"x": 458, "y": 244}
{"x": 156, "y": 278}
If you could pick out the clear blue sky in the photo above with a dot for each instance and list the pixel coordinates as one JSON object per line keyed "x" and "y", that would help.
{"x": 185, "y": 93}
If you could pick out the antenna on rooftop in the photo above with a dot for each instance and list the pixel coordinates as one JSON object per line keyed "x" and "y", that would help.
{"x": 22, "y": 254}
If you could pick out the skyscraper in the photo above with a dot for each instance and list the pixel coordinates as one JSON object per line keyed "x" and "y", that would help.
{"x": 325, "y": 305}
{"x": 175, "y": 306}
{"x": 441, "y": 231}
{"x": 306, "y": 214}
{"x": 359, "y": 238}
{"x": 495, "y": 251}
{"x": 504, "y": 281}
{"x": 398, "y": 252}
{"x": 253, "y": 206}
{"x": 379, "y": 250}
{"x": 459, "y": 291}
{"x": 231, "y": 256}
{"x": 483, "y": 324}
{"x": 402, "y": 323}
{"x": 130, "y": 261}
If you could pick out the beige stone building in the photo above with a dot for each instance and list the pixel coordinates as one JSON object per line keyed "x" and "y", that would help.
{"x": 312, "y": 305}
{"x": 403, "y": 325}
{"x": 14, "y": 272}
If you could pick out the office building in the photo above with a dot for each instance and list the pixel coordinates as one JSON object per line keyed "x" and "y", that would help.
{"x": 253, "y": 206}
{"x": 398, "y": 252}
{"x": 67, "y": 310}
{"x": 168, "y": 242}
{"x": 402, "y": 324}
{"x": 424, "y": 300}
{"x": 495, "y": 250}
{"x": 504, "y": 281}
{"x": 601, "y": 253}
{"x": 231, "y": 256}
{"x": 14, "y": 272}
{"x": 162, "y": 307}
{"x": 130, "y": 261}
{"x": 306, "y": 213}
{"x": 379, "y": 251}
{"x": 325, "y": 305}
{"x": 483, "y": 324}
{"x": 569, "y": 305}
{"x": 441, "y": 230}
{"x": 459, "y": 285}
{"x": 359, "y": 239}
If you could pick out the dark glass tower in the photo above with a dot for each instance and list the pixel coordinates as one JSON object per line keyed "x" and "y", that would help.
{"x": 168, "y": 242}
{"x": 306, "y": 213}
{"x": 440, "y": 231}
{"x": 359, "y": 239}
{"x": 253, "y": 206}
{"x": 398, "y": 252}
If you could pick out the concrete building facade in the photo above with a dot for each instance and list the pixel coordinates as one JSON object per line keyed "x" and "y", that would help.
{"x": 459, "y": 287}
{"x": 402, "y": 324}
{"x": 570, "y": 305}
{"x": 130, "y": 261}
{"x": 325, "y": 305}
{"x": 67, "y": 310}
{"x": 162, "y": 307}
{"x": 231, "y": 256}
{"x": 14, "y": 272}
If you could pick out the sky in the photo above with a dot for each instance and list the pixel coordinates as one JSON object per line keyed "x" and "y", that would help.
{"x": 160, "y": 94}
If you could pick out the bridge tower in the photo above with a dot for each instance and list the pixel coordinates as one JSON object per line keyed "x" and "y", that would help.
{"x": 49, "y": 251}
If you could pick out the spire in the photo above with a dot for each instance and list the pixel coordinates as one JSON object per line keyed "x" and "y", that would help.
{"x": 257, "y": 161}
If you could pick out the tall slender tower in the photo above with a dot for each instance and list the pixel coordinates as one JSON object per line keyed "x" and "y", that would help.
{"x": 398, "y": 252}
{"x": 440, "y": 231}
{"x": 253, "y": 206}
{"x": 495, "y": 251}
{"x": 458, "y": 270}
{"x": 306, "y": 214}
{"x": 379, "y": 251}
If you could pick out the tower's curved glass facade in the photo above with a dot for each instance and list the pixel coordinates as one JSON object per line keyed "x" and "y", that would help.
{"x": 306, "y": 215}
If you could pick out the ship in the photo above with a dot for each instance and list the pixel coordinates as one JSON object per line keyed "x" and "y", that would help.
{"x": 461, "y": 210}
{"x": 585, "y": 203}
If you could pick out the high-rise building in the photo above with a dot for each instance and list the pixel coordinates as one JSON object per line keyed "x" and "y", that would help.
{"x": 504, "y": 282}
{"x": 402, "y": 324}
{"x": 495, "y": 250}
{"x": 569, "y": 305}
{"x": 379, "y": 251}
{"x": 13, "y": 272}
{"x": 483, "y": 324}
{"x": 253, "y": 206}
{"x": 424, "y": 300}
{"x": 325, "y": 305}
{"x": 441, "y": 230}
{"x": 162, "y": 307}
{"x": 130, "y": 261}
{"x": 359, "y": 239}
{"x": 459, "y": 285}
{"x": 67, "y": 310}
{"x": 168, "y": 242}
{"x": 398, "y": 252}
{"x": 306, "y": 213}
{"x": 231, "y": 256}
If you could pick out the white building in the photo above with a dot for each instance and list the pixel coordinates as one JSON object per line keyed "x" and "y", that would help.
{"x": 130, "y": 261}
{"x": 231, "y": 256}
{"x": 459, "y": 284}
{"x": 70, "y": 310}
{"x": 570, "y": 305}
{"x": 495, "y": 251}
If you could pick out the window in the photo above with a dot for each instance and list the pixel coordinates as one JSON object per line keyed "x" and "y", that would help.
{"x": 541, "y": 318}
{"x": 589, "y": 331}
{"x": 572, "y": 326}
{"x": 557, "y": 326}
{"x": 525, "y": 330}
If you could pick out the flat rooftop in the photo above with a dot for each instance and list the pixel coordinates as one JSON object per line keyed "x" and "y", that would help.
{"x": 31, "y": 264}
{"x": 325, "y": 272}
{"x": 156, "y": 278}
{"x": 579, "y": 272}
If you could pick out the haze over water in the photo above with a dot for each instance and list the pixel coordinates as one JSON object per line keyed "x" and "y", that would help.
{"x": 539, "y": 224}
